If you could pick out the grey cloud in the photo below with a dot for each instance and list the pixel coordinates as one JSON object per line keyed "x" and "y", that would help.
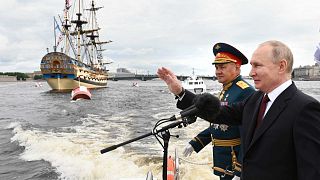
{"x": 177, "y": 34}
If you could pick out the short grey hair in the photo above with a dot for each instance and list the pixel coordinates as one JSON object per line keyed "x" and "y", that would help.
{"x": 280, "y": 51}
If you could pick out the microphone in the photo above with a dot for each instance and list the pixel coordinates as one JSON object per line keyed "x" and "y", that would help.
{"x": 205, "y": 106}
{"x": 189, "y": 111}
{"x": 208, "y": 105}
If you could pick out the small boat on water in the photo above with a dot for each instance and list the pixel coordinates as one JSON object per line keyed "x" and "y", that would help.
{"x": 194, "y": 84}
{"x": 77, "y": 51}
{"x": 38, "y": 84}
{"x": 80, "y": 92}
{"x": 135, "y": 84}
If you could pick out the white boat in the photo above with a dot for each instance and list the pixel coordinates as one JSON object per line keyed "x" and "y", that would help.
{"x": 194, "y": 84}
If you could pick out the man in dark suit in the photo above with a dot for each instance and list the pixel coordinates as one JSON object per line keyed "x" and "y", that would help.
{"x": 281, "y": 140}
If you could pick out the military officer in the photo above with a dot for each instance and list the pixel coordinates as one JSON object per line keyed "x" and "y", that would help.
{"x": 225, "y": 139}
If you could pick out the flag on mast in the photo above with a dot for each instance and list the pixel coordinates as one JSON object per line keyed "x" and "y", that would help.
{"x": 57, "y": 27}
{"x": 68, "y": 4}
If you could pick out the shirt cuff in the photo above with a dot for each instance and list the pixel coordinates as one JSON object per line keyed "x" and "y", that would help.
{"x": 181, "y": 94}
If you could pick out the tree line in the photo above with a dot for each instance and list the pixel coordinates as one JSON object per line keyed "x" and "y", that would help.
{"x": 20, "y": 76}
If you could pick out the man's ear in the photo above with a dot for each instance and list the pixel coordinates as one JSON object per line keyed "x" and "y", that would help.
{"x": 283, "y": 64}
{"x": 238, "y": 66}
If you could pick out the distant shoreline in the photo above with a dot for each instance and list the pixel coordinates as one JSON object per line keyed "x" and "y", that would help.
{"x": 306, "y": 79}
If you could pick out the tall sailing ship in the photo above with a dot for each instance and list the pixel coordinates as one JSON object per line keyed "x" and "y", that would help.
{"x": 77, "y": 58}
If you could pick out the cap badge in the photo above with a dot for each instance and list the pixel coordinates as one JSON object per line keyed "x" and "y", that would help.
{"x": 217, "y": 47}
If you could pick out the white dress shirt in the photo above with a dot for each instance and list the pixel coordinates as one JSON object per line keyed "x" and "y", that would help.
{"x": 275, "y": 93}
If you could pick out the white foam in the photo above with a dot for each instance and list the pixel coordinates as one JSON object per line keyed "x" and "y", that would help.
{"x": 75, "y": 151}
{"x": 12, "y": 125}
{"x": 75, "y": 155}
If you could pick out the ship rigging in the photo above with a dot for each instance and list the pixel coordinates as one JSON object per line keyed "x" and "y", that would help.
{"x": 80, "y": 61}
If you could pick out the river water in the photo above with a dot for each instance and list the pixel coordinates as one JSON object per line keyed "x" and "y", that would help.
{"x": 45, "y": 135}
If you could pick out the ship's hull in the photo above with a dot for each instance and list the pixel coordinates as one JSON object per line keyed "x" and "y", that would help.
{"x": 65, "y": 73}
{"x": 70, "y": 84}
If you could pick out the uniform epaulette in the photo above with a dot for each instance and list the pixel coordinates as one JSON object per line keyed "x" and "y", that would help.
{"x": 242, "y": 84}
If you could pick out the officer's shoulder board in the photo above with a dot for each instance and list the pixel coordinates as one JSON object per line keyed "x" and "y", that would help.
{"x": 242, "y": 84}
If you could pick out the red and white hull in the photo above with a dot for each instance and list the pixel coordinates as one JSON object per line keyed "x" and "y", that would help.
{"x": 81, "y": 92}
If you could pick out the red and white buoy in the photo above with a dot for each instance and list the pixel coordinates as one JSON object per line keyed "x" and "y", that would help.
{"x": 80, "y": 92}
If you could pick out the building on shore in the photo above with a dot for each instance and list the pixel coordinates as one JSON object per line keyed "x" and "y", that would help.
{"x": 6, "y": 78}
{"x": 122, "y": 73}
{"x": 34, "y": 73}
{"x": 308, "y": 73}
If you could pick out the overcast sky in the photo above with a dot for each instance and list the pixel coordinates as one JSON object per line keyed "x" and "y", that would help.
{"x": 178, "y": 34}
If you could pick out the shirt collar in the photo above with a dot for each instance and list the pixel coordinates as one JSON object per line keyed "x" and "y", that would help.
{"x": 277, "y": 91}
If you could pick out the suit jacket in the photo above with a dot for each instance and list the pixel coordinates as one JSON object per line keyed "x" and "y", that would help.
{"x": 287, "y": 143}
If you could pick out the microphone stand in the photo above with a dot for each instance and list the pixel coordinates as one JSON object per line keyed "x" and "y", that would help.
{"x": 166, "y": 137}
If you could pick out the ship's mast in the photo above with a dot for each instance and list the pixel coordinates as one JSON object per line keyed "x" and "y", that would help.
{"x": 55, "y": 35}
{"x": 84, "y": 42}
{"x": 66, "y": 26}
{"x": 93, "y": 35}
{"x": 79, "y": 24}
